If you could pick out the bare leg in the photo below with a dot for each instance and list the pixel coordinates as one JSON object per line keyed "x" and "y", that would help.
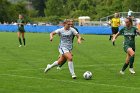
{"x": 23, "y": 38}
{"x": 68, "y": 56}
{"x": 20, "y": 42}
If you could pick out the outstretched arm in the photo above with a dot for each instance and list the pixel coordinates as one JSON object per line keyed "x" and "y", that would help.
{"x": 138, "y": 32}
{"x": 51, "y": 35}
{"x": 78, "y": 38}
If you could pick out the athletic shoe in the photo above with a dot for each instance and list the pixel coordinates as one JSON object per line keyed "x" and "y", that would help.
{"x": 131, "y": 70}
{"x": 58, "y": 68}
{"x": 47, "y": 68}
{"x": 74, "y": 76}
{"x": 122, "y": 72}
{"x": 20, "y": 46}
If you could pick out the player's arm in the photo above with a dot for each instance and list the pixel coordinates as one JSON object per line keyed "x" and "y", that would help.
{"x": 115, "y": 37}
{"x": 78, "y": 38}
{"x": 51, "y": 35}
{"x": 138, "y": 32}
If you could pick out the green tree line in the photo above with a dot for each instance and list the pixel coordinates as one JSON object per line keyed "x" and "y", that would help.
{"x": 60, "y": 9}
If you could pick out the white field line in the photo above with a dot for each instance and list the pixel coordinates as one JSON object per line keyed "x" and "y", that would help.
{"x": 81, "y": 66}
{"x": 72, "y": 81}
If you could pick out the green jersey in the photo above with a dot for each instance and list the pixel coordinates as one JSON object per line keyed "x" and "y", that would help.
{"x": 20, "y": 26}
{"x": 129, "y": 36}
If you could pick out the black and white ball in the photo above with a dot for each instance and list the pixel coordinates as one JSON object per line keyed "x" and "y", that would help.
{"x": 87, "y": 75}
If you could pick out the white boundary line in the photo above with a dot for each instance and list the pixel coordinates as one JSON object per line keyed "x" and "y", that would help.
{"x": 82, "y": 66}
{"x": 66, "y": 81}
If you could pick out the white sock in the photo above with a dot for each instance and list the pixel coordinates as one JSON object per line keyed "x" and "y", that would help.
{"x": 71, "y": 67}
{"x": 54, "y": 64}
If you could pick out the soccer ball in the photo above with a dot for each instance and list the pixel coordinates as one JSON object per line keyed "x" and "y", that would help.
{"x": 87, "y": 75}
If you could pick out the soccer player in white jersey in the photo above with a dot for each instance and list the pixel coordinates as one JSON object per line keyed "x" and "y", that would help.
{"x": 71, "y": 25}
{"x": 65, "y": 47}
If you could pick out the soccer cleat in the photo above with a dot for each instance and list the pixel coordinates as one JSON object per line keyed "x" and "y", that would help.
{"x": 20, "y": 46}
{"x": 122, "y": 72}
{"x": 132, "y": 71}
{"x": 74, "y": 76}
{"x": 47, "y": 68}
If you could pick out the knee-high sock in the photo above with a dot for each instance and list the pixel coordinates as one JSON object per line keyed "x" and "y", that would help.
{"x": 20, "y": 42}
{"x": 71, "y": 67}
{"x": 110, "y": 37}
{"x": 124, "y": 66}
{"x": 54, "y": 64}
{"x": 131, "y": 61}
{"x": 24, "y": 41}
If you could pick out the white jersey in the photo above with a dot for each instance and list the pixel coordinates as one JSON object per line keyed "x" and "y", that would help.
{"x": 66, "y": 37}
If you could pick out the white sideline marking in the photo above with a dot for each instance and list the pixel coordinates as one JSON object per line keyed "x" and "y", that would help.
{"x": 82, "y": 66}
{"x": 87, "y": 83}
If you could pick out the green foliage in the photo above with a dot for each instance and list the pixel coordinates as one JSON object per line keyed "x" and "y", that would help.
{"x": 9, "y": 12}
{"x": 66, "y": 8}
{"x": 54, "y": 8}
{"x": 39, "y": 5}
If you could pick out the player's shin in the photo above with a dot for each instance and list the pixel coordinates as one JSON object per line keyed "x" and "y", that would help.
{"x": 131, "y": 61}
{"x": 71, "y": 67}
{"x": 125, "y": 66}
{"x": 54, "y": 64}
{"x": 24, "y": 41}
{"x": 20, "y": 42}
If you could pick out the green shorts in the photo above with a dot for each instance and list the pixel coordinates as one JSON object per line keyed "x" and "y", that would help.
{"x": 21, "y": 30}
{"x": 126, "y": 48}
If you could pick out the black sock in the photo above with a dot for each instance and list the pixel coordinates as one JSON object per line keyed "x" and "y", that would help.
{"x": 131, "y": 61}
{"x": 20, "y": 41}
{"x": 62, "y": 63}
{"x": 124, "y": 66}
{"x": 24, "y": 41}
{"x": 110, "y": 37}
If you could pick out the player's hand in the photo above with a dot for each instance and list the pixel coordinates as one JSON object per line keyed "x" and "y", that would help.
{"x": 79, "y": 41}
{"x": 51, "y": 38}
{"x": 82, "y": 38}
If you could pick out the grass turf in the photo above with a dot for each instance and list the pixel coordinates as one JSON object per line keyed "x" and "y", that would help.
{"x": 21, "y": 69}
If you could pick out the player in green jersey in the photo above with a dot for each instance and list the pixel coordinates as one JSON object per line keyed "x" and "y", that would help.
{"x": 129, "y": 33}
{"x": 21, "y": 30}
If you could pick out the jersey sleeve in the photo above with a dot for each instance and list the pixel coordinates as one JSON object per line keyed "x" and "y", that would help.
{"x": 57, "y": 31}
{"x": 74, "y": 31}
{"x": 121, "y": 31}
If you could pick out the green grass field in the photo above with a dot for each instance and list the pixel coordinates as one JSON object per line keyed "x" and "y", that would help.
{"x": 21, "y": 69}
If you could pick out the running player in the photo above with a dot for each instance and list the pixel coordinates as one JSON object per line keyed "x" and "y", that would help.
{"x": 21, "y": 29}
{"x": 65, "y": 47}
{"x": 72, "y": 25}
{"x": 115, "y": 23}
{"x": 129, "y": 33}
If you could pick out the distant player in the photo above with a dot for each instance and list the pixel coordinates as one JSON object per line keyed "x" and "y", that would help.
{"x": 65, "y": 47}
{"x": 115, "y": 23}
{"x": 72, "y": 25}
{"x": 130, "y": 13}
{"x": 129, "y": 33}
{"x": 21, "y": 30}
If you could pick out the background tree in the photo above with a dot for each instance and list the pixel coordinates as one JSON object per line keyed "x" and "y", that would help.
{"x": 40, "y": 6}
